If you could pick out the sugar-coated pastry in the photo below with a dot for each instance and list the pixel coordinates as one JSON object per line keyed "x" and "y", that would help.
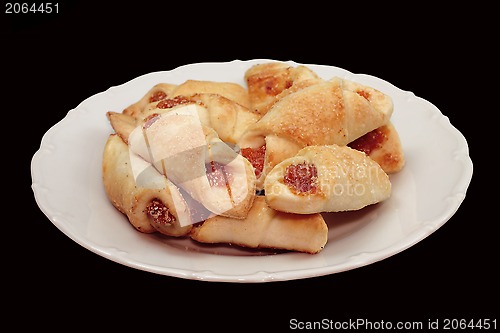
{"x": 331, "y": 112}
{"x": 256, "y": 166}
{"x": 193, "y": 157}
{"x": 149, "y": 200}
{"x": 159, "y": 92}
{"x": 228, "y": 118}
{"x": 265, "y": 227}
{"x": 229, "y": 90}
{"x": 383, "y": 145}
{"x": 268, "y": 82}
{"x": 328, "y": 178}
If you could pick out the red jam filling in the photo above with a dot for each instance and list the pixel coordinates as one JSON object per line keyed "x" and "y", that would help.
{"x": 364, "y": 94}
{"x": 157, "y": 96}
{"x": 256, "y": 157}
{"x": 302, "y": 178}
{"x": 370, "y": 141}
{"x": 171, "y": 102}
{"x": 159, "y": 213}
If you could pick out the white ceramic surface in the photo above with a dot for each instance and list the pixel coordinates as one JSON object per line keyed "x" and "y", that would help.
{"x": 66, "y": 174}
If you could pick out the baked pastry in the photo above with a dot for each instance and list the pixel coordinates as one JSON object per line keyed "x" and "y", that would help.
{"x": 157, "y": 93}
{"x": 265, "y": 227}
{"x": 123, "y": 124}
{"x": 187, "y": 159}
{"x": 272, "y": 81}
{"x": 167, "y": 92}
{"x": 383, "y": 145}
{"x": 331, "y": 112}
{"x": 228, "y": 118}
{"x": 229, "y": 90}
{"x": 327, "y": 178}
{"x": 267, "y": 82}
{"x": 194, "y": 158}
{"x": 150, "y": 201}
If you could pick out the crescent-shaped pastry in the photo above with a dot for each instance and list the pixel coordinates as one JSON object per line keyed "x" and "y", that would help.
{"x": 159, "y": 92}
{"x": 150, "y": 202}
{"x": 328, "y": 178}
{"x": 383, "y": 145}
{"x": 265, "y": 227}
{"x": 331, "y": 112}
{"x": 267, "y": 82}
{"x": 228, "y": 118}
{"x": 194, "y": 158}
{"x": 167, "y": 91}
{"x": 122, "y": 123}
{"x": 229, "y": 90}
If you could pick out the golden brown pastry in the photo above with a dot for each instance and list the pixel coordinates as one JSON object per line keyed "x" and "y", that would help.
{"x": 265, "y": 227}
{"x": 228, "y": 118}
{"x": 168, "y": 93}
{"x": 326, "y": 179}
{"x": 383, "y": 145}
{"x": 332, "y": 112}
{"x": 123, "y": 124}
{"x": 229, "y": 90}
{"x": 267, "y": 82}
{"x": 150, "y": 202}
{"x": 159, "y": 92}
{"x": 194, "y": 158}
{"x": 187, "y": 159}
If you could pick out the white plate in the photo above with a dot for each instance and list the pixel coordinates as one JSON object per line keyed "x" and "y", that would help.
{"x": 66, "y": 174}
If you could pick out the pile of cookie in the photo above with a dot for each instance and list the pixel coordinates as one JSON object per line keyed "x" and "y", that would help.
{"x": 253, "y": 166}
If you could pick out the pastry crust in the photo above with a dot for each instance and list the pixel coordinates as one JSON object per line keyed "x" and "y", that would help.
{"x": 229, "y": 90}
{"x": 133, "y": 199}
{"x": 184, "y": 158}
{"x": 383, "y": 145}
{"x": 162, "y": 91}
{"x": 321, "y": 114}
{"x": 194, "y": 158}
{"x": 158, "y": 92}
{"x": 267, "y": 83}
{"x": 265, "y": 227}
{"x": 329, "y": 179}
{"x": 331, "y": 112}
{"x": 228, "y": 118}
{"x": 123, "y": 124}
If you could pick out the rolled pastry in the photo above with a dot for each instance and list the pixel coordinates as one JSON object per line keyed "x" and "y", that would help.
{"x": 150, "y": 202}
{"x": 229, "y": 90}
{"x": 326, "y": 179}
{"x": 331, "y": 112}
{"x": 167, "y": 91}
{"x": 267, "y": 82}
{"x": 383, "y": 145}
{"x": 228, "y": 118}
{"x": 194, "y": 158}
{"x": 265, "y": 227}
{"x": 157, "y": 93}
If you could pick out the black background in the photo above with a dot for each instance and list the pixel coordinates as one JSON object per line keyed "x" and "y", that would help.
{"x": 52, "y": 63}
